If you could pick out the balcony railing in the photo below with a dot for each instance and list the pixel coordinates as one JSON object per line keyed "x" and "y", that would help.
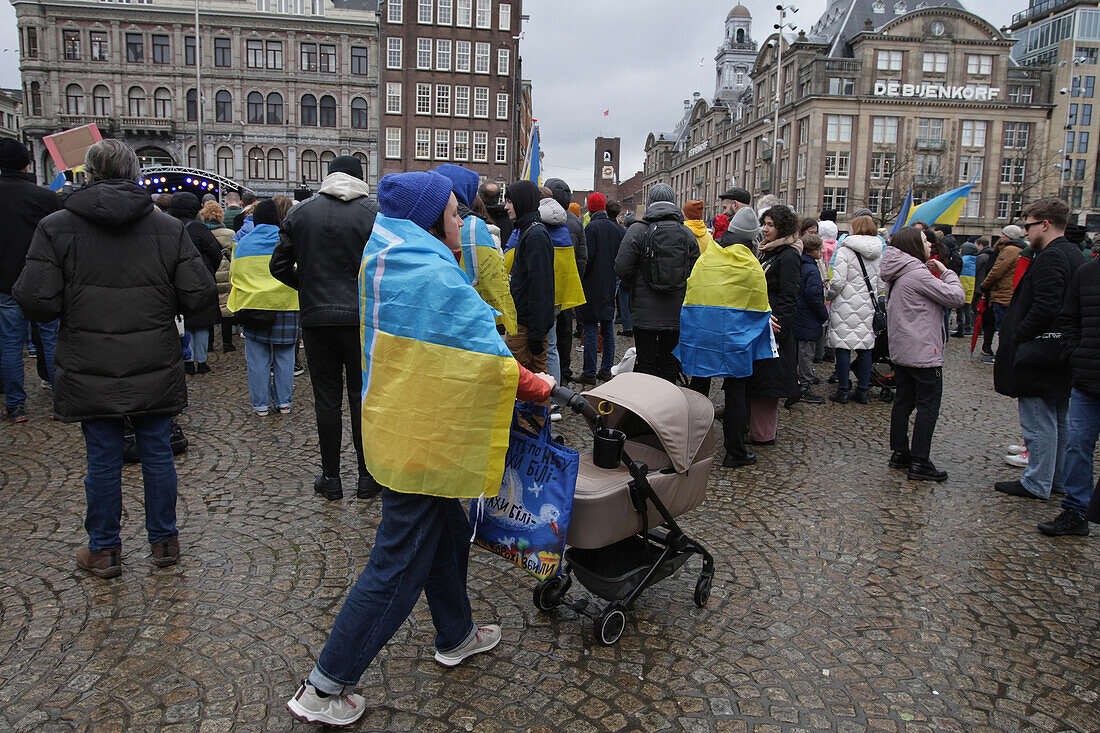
{"x": 931, "y": 143}
{"x": 1041, "y": 9}
{"x": 147, "y": 123}
{"x": 766, "y": 155}
{"x": 68, "y": 121}
{"x": 927, "y": 179}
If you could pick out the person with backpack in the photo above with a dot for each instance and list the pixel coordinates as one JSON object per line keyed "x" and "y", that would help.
{"x": 654, "y": 262}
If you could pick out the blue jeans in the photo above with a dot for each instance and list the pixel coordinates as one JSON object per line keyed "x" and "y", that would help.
{"x": 200, "y": 342}
{"x": 624, "y": 307}
{"x": 844, "y": 368}
{"x": 999, "y": 314}
{"x": 1045, "y": 426}
{"x": 553, "y": 358}
{"x": 422, "y": 544}
{"x": 1084, "y": 427}
{"x": 103, "y": 486}
{"x": 607, "y": 328}
{"x": 270, "y": 373}
{"x": 13, "y": 337}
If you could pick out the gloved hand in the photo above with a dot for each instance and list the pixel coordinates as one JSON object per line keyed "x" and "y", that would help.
{"x": 536, "y": 346}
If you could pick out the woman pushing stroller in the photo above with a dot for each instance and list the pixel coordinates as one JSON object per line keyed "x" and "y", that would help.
{"x": 439, "y": 386}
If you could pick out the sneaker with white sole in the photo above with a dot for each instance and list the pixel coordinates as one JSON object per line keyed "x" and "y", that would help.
{"x": 1015, "y": 450}
{"x": 337, "y": 710}
{"x": 1019, "y": 461}
{"x": 485, "y": 639}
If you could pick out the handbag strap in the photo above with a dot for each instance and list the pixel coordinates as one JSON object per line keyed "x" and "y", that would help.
{"x": 866, "y": 280}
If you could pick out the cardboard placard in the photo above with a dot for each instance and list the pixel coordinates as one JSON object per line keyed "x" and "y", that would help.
{"x": 67, "y": 149}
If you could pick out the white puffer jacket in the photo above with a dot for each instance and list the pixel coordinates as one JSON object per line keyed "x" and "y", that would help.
{"x": 853, "y": 308}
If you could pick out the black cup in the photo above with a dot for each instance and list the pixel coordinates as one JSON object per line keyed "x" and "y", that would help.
{"x": 607, "y": 448}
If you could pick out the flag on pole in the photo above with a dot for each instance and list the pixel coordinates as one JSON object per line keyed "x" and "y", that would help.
{"x": 58, "y": 183}
{"x": 944, "y": 209}
{"x": 607, "y": 113}
{"x": 532, "y": 166}
{"x": 903, "y": 215}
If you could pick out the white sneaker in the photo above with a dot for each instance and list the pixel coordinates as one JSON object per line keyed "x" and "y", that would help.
{"x": 261, "y": 413}
{"x": 486, "y": 638}
{"x": 284, "y": 410}
{"x": 1019, "y": 461}
{"x": 338, "y": 710}
{"x": 1015, "y": 450}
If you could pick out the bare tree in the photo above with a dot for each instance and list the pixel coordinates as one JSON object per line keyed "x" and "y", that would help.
{"x": 897, "y": 182}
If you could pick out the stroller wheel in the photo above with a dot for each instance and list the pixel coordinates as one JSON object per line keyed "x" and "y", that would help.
{"x": 610, "y": 624}
{"x": 887, "y": 395}
{"x": 551, "y": 592}
{"x": 702, "y": 590}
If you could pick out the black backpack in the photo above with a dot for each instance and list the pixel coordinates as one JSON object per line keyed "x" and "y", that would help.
{"x": 129, "y": 440}
{"x": 665, "y": 259}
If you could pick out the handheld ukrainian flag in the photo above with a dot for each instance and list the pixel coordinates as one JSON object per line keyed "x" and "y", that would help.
{"x": 253, "y": 286}
{"x": 57, "y": 183}
{"x": 944, "y": 209}
{"x": 903, "y": 215}
{"x": 532, "y": 165}
{"x": 725, "y": 324}
{"x": 483, "y": 265}
{"x": 966, "y": 277}
{"x": 439, "y": 384}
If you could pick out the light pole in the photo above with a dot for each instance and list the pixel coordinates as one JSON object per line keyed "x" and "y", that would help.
{"x": 200, "y": 156}
{"x": 778, "y": 87}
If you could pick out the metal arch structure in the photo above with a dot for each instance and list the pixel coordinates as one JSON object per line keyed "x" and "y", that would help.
{"x": 177, "y": 175}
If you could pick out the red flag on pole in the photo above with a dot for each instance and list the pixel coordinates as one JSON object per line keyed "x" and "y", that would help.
{"x": 607, "y": 113}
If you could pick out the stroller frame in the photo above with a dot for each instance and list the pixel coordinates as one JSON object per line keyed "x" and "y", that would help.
{"x": 671, "y": 546}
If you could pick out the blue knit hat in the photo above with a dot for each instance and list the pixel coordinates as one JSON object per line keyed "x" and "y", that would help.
{"x": 418, "y": 197}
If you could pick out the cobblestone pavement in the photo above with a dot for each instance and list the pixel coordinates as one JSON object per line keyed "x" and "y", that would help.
{"x": 846, "y": 598}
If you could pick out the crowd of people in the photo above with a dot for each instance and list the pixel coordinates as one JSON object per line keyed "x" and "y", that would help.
{"x": 125, "y": 300}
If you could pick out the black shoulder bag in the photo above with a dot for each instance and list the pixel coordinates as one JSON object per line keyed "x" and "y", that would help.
{"x": 878, "y": 323}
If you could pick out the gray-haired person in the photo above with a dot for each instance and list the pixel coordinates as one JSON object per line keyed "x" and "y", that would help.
{"x": 118, "y": 351}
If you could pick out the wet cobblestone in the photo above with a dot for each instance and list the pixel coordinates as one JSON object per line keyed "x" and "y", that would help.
{"x": 846, "y": 598}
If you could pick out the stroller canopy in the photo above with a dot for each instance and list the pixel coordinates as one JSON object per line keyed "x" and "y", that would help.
{"x": 679, "y": 417}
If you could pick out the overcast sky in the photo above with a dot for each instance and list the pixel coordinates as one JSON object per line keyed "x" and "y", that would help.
{"x": 638, "y": 58}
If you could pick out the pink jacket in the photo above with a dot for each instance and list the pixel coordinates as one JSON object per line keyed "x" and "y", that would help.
{"x": 914, "y": 309}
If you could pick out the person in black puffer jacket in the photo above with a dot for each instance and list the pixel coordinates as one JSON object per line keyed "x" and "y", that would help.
{"x": 532, "y": 283}
{"x": 185, "y": 207}
{"x": 117, "y": 273}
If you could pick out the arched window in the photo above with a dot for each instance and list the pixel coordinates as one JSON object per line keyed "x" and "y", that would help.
{"x": 328, "y": 111}
{"x": 162, "y": 102}
{"x": 36, "y": 99}
{"x": 326, "y": 159}
{"x": 192, "y": 105}
{"x": 255, "y": 108}
{"x": 309, "y": 110}
{"x": 192, "y": 156}
{"x": 309, "y": 166}
{"x": 74, "y": 99}
{"x": 223, "y": 106}
{"x": 135, "y": 102}
{"x": 274, "y": 108}
{"x": 362, "y": 161}
{"x": 256, "y": 164}
{"x": 359, "y": 113}
{"x": 101, "y": 101}
{"x": 740, "y": 35}
{"x": 275, "y": 161}
{"x": 225, "y": 162}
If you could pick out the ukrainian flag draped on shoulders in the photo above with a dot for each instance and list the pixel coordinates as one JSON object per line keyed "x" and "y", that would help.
{"x": 439, "y": 384}
{"x": 725, "y": 323}
{"x": 253, "y": 286}
{"x": 484, "y": 266}
{"x": 568, "y": 290}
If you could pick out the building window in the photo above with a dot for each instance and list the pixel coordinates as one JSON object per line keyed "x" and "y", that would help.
{"x": 1086, "y": 114}
{"x": 481, "y": 58}
{"x": 1082, "y": 142}
{"x": 502, "y": 106}
{"x": 443, "y": 100}
{"x": 423, "y": 99}
{"x": 842, "y": 85}
{"x": 928, "y": 165}
{"x": 1020, "y": 94}
{"x": 188, "y": 50}
{"x": 465, "y": 13}
{"x": 327, "y": 116}
{"x": 502, "y": 150}
{"x": 192, "y": 156}
{"x": 1012, "y": 170}
{"x": 309, "y": 166}
{"x": 462, "y": 55}
{"x": 424, "y": 12}
{"x": 274, "y": 54}
{"x": 800, "y": 166}
{"x": 30, "y": 48}
{"x": 462, "y": 145}
{"x": 308, "y": 111}
{"x": 973, "y": 133}
{"x": 101, "y": 49}
{"x": 36, "y": 99}
{"x": 835, "y": 198}
{"x": 275, "y": 161}
{"x": 70, "y": 41}
{"x": 838, "y": 129}
{"x": 223, "y": 106}
{"x": 359, "y": 115}
{"x": 74, "y": 99}
{"x": 135, "y": 48}
{"x": 393, "y": 53}
{"x": 1017, "y": 134}
{"x": 423, "y": 53}
{"x": 505, "y": 17}
{"x": 481, "y": 102}
{"x": 191, "y": 101}
{"x": 462, "y": 101}
{"x": 480, "y": 150}
{"x": 255, "y": 103}
{"x": 979, "y": 64}
{"x": 444, "y": 13}
{"x": 135, "y": 102}
{"x": 309, "y": 57}
{"x": 393, "y": 142}
{"x": 484, "y": 14}
{"x": 423, "y": 144}
{"x": 394, "y": 10}
{"x": 972, "y": 207}
{"x": 800, "y": 199}
{"x": 101, "y": 101}
{"x": 359, "y": 63}
{"x": 326, "y": 58}
{"x": 1084, "y": 86}
{"x": 223, "y": 52}
{"x": 274, "y": 109}
{"x": 442, "y": 144}
{"x": 837, "y": 163}
{"x": 882, "y": 164}
{"x": 504, "y": 61}
{"x": 970, "y": 168}
{"x": 930, "y": 128}
{"x": 225, "y": 162}
{"x": 442, "y": 54}
{"x": 879, "y": 200}
{"x": 162, "y": 50}
{"x": 889, "y": 60}
{"x": 935, "y": 63}
{"x": 328, "y": 156}
{"x": 1008, "y": 206}
{"x": 804, "y": 131}
{"x": 254, "y": 54}
{"x": 256, "y": 163}
{"x": 393, "y": 98}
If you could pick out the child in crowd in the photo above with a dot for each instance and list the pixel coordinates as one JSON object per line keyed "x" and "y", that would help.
{"x": 809, "y": 317}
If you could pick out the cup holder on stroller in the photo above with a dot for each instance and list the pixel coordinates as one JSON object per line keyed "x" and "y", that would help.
{"x": 607, "y": 448}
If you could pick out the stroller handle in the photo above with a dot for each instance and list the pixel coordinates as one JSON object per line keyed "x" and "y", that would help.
{"x": 572, "y": 400}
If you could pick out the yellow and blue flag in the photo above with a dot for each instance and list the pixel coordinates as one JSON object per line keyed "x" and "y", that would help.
{"x": 966, "y": 277}
{"x": 568, "y": 290}
{"x": 483, "y": 265}
{"x": 253, "y": 286}
{"x": 725, "y": 323}
{"x": 439, "y": 384}
{"x": 903, "y": 215}
{"x": 944, "y": 209}
{"x": 532, "y": 165}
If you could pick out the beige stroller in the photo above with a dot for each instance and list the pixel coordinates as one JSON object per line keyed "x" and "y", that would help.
{"x": 651, "y": 460}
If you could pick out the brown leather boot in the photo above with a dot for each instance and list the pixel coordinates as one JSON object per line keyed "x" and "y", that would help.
{"x": 105, "y": 564}
{"x": 166, "y": 552}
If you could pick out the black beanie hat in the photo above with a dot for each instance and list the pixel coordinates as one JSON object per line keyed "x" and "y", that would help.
{"x": 347, "y": 164}
{"x": 13, "y": 155}
{"x": 266, "y": 212}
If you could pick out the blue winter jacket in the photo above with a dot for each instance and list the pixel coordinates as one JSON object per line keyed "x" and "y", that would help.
{"x": 811, "y": 311}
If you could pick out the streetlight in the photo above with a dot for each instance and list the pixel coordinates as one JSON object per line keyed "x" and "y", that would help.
{"x": 200, "y": 157}
{"x": 783, "y": 10}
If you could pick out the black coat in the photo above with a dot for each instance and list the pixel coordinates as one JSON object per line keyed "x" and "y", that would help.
{"x": 22, "y": 206}
{"x": 319, "y": 252}
{"x": 811, "y": 312}
{"x": 1080, "y": 322}
{"x": 777, "y": 378}
{"x": 1035, "y": 310}
{"x": 185, "y": 207}
{"x": 532, "y": 278}
{"x": 602, "y": 237}
{"x": 117, "y": 273}
{"x": 653, "y": 309}
{"x": 983, "y": 263}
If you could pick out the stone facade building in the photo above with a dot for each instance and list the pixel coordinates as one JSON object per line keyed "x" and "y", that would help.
{"x": 11, "y": 105}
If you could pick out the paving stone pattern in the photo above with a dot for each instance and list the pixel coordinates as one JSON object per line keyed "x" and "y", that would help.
{"x": 846, "y": 598}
